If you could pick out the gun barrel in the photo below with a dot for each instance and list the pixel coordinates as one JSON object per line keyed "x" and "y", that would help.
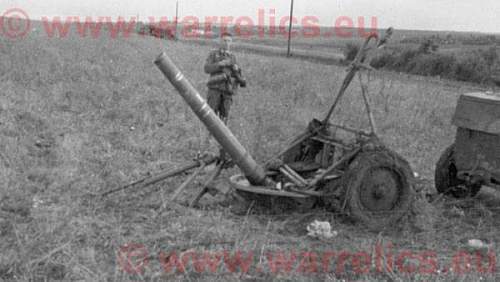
{"x": 254, "y": 173}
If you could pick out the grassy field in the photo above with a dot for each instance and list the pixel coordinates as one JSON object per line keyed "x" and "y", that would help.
{"x": 81, "y": 116}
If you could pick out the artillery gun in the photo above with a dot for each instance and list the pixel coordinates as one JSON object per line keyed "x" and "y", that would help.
{"x": 357, "y": 175}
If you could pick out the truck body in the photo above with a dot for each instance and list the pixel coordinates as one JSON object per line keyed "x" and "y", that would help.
{"x": 473, "y": 160}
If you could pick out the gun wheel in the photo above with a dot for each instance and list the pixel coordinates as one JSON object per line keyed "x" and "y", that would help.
{"x": 378, "y": 189}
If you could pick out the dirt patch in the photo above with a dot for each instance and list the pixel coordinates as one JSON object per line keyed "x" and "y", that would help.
{"x": 50, "y": 271}
{"x": 16, "y": 205}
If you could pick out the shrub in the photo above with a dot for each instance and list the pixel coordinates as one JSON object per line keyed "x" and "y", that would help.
{"x": 350, "y": 51}
{"x": 385, "y": 60}
{"x": 433, "y": 65}
{"x": 427, "y": 47}
{"x": 472, "y": 67}
{"x": 402, "y": 62}
{"x": 490, "y": 55}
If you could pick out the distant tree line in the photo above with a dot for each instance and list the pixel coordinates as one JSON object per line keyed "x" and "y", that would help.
{"x": 453, "y": 39}
{"x": 480, "y": 65}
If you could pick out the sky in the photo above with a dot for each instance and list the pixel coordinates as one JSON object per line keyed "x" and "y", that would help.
{"x": 450, "y": 15}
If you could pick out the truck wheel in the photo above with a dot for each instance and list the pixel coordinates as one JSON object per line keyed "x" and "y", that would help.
{"x": 446, "y": 180}
{"x": 378, "y": 189}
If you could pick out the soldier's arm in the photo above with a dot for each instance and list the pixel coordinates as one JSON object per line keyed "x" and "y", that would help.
{"x": 236, "y": 66}
{"x": 210, "y": 65}
{"x": 233, "y": 61}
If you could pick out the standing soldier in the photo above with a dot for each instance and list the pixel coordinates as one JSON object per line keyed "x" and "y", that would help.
{"x": 225, "y": 77}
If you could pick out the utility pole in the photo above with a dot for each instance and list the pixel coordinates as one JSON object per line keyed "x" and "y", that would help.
{"x": 290, "y": 30}
{"x": 176, "y": 18}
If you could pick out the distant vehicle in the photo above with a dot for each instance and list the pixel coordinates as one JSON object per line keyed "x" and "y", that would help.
{"x": 474, "y": 158}
{"x": 157, "y": 32}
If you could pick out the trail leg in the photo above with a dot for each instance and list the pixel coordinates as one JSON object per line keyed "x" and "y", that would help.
{"x": 179, "y": 190}
{"x": 204, "y": 189}
{"x": 155, "y": 179}
{"x": 188, "y": 181}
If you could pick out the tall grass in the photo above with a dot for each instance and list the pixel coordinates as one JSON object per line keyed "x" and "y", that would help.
{"x": 81, "y": 116}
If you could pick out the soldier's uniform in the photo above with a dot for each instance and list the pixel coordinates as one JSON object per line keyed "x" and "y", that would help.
{"x": 222, "y": 84}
